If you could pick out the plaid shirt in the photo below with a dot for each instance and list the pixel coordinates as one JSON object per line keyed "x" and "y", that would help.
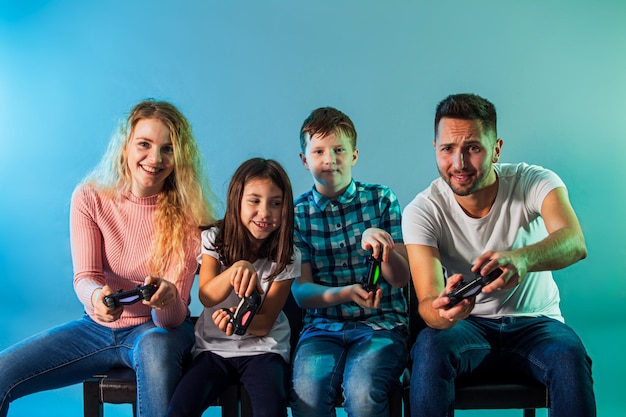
{"x": 328, "y": 233}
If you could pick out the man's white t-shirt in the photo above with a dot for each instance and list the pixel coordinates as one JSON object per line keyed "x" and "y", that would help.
{"x": 435, "y": 219}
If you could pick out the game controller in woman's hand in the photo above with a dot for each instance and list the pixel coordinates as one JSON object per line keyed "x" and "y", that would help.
{"x": 122, "y": 298}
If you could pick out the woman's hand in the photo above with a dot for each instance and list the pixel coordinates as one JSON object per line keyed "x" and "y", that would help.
{"x": 165, "y": 296}
{"x": 101, "y": 310}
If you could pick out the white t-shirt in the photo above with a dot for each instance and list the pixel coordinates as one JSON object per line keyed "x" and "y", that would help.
{"x": 210, "y": 337}
{"x": 435, "y": 219}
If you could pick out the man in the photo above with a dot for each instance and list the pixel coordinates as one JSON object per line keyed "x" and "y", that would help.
{"x": 481, "y": 217}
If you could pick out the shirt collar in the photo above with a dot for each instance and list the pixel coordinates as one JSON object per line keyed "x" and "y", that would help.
{"x": 322, "y": 201}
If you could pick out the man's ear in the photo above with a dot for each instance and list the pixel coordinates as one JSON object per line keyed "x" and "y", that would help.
{"x": 303, "y": 159}
{"x": 497, "y": 149}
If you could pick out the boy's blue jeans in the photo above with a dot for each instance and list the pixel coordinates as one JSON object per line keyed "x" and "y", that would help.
{"x": 366, "y": 361}
{"x": 72, "y": 352}
{"x": 537, "y": 348}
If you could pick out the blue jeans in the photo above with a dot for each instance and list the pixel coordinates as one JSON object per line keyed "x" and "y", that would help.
{"x": 362, "y": 361}
{"x": 264, "y": 376}
{"x": 536, "y": 348}
{"x": 74, "y": 351}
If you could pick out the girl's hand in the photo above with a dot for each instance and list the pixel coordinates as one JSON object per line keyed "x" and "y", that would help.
{"x": 222, "y": 320}
{"x": 363, "y": 298}
{"x": 379, "y": 242}
{"x": 101, "y": 310}
{"x": 243, "y": 278}
{"x": 165, "y": 295}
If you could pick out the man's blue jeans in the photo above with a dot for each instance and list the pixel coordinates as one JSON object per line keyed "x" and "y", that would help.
{"x": 537, "y": 348}
{"x": 74, "y": 351}
{"x": 367, "y": 361}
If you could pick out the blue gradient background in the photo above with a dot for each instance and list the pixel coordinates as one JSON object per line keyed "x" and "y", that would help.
{"x": 247, "y": 73}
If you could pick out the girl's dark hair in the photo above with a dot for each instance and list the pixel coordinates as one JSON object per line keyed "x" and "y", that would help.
{"x": 232, "y": 242}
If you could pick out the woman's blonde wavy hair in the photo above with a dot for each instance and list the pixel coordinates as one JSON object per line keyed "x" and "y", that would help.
{"x": 186, "y": 201}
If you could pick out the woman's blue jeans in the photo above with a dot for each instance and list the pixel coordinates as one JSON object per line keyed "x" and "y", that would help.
{"x": 367, "y": 361}
{"x": 72, "y": 352}
{"x": 537, "y": 348}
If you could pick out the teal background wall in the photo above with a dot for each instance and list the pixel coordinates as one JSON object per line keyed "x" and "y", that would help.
{"x": 246, "y": 73}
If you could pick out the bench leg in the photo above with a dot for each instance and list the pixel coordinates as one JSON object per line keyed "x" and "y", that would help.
{"x": 91, "y": 399}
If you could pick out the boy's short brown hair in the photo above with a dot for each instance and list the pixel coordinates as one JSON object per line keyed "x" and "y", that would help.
{"x": 324, "y": 121}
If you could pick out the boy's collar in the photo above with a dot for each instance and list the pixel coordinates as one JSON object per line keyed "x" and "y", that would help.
{"x": 322, "y": 201}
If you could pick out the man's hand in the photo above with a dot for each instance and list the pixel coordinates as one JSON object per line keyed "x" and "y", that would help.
{"x": 512, "y": 263}
{"x": 461, "y": 311}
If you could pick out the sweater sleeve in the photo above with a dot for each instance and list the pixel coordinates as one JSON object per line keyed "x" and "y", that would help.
{"x": 86, "y": 245}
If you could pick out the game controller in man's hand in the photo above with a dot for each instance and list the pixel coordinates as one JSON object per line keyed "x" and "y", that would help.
{"x": 469, "y": 288}
{"x": 369, "y": 281}
{"x": 122, "y": 298}
{"x": 247, "y": 308}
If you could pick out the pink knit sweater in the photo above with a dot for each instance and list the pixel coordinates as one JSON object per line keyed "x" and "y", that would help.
{"x": 111, "y": 241}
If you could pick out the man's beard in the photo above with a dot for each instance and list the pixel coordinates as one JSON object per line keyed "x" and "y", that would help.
{"x": 465, "y": 190}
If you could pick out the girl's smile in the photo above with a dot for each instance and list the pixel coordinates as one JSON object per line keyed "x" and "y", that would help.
{"x": 261, "y": 208}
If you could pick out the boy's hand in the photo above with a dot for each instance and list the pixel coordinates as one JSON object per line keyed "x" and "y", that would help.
{"x": 377, "y": 241}
{"x": 363, "y": 298}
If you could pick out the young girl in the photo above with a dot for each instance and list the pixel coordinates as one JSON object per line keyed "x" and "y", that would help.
{"x": 251, "y": 247}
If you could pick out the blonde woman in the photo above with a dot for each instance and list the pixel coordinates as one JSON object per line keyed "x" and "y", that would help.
{"x": 134, "y": 222}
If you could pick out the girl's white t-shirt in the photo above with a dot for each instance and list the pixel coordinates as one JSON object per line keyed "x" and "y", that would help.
{"x": 210, "y": 338}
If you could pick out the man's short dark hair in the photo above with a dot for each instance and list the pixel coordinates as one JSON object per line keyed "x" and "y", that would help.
{"x": 467, "y": 107}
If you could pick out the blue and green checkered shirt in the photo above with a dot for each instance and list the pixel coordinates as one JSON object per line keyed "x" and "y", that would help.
{"x": 328, "y": 233}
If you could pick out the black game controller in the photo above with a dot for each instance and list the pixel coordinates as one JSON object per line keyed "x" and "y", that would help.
{"x": 124, "y": 298}
{"x": 370, "y": 280}
{"x": 470, "y": 288}
{"x": 247, "y": 308}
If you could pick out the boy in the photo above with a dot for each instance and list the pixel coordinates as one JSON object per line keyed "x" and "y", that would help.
{"x": 352, "y": 339}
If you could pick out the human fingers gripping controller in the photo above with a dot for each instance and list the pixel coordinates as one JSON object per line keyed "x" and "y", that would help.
{"x": 467, "y": 288}
{"x": 243, "y": 315}
{"x": 122, "y": 298}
